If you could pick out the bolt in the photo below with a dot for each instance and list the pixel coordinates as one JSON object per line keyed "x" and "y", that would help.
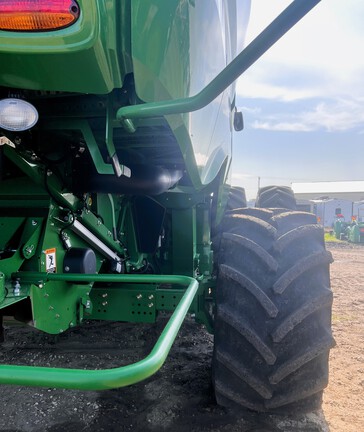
{"x": 49, "y": 173}
{"x": 151, "y": 297}
{"x": 51, "y": 307}
{"x": 66, "y": 269}
{"x": 104, "y": 303}
{"x": 109, "y": 233}
{"x": 150, "y": 305}
{"x": 34, "y": 223}
{"x": 46, "y": 295}
{"x": 40, "y": 286}
{"x": 29, "y": 249}
{"x": 57, "y": 315}
{"x": 16, "y": 287}
{"x": 139, "y": 296}
{"x": 104, "y": 295}
{"x": 88, "y": 304}
{"x": 99, "y": 222}
{"x": 71, "y": 324}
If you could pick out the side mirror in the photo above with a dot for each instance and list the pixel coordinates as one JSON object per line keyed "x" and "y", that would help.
{"x": 238, "y": 121}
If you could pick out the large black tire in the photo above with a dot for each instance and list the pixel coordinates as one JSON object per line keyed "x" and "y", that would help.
{"x": 273, "y": 312}
{"x": 276, "y": 197}
{"x": 237, "y": 198}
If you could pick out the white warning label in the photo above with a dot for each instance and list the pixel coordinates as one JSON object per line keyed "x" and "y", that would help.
{"x": 51, "y": 265}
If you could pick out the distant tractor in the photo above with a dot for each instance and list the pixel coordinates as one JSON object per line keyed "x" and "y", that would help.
{"x": 352, "y": 231}
{"x": 340, "y": 226}
{"x": 355, "y": 231}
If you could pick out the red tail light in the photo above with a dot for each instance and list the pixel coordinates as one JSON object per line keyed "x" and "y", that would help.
{"x": 37, "y": 15}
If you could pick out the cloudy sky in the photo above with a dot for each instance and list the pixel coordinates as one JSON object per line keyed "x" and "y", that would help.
{"x": 303, "y": 102}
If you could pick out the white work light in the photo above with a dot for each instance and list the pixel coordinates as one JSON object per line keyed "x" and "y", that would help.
{"x": 17, "y": 115}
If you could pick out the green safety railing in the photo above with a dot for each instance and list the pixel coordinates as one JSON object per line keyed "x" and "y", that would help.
{"x": 107, "y": 378}
{"x": 268, "y": 37}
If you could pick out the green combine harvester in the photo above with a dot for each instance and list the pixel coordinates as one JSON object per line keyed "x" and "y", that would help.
{"x": 352, "y": 231}
{"x": 117, "y": 119}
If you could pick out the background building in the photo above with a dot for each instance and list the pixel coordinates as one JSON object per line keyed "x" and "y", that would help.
{"x": 349, "y": 190}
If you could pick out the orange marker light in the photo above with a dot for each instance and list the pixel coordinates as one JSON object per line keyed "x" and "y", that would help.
{"x": 37, "y": 15}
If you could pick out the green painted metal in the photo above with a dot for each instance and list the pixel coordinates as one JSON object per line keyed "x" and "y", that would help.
{"x": 133, "y": 303}
{"x": 40, "y": 177}
{"x": 168, "y": 65}
{"x": 355, "y": 232}
{"x": 117, "y": 56}
{"x": 284, "y": 22}
{"x": 104, "y": 233}
{"x": 84, "y": 127}
{"x": 57, "y": 306}
{"x": 109, "y": 378}
{"x": 352, "y": 231}
{"x": 28, "y": 241}
{"x": 166, "y": 74}
{"x": 80, "y": 58}
{"x": 2, "y": 286}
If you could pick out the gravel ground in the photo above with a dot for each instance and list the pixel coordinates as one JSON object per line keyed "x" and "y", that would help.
{"x": 179, "y": 397}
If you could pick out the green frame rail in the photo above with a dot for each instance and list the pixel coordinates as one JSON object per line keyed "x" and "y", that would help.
{"x": 268, "y": 37}
{"x": 106, "y": 378}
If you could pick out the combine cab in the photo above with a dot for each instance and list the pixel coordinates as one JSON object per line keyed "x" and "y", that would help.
{"x": 117, "y": 118}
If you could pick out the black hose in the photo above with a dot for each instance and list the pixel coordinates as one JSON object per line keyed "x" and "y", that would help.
{"x": 144, "y": 180}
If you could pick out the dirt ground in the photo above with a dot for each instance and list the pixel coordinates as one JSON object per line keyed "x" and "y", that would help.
{"x": 179, "y": 397}
{"x": 344, "y": 398}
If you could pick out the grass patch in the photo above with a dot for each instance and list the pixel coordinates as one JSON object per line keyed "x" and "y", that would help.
{"x": 342, "y": 318}
{"x": 331, "y": 238}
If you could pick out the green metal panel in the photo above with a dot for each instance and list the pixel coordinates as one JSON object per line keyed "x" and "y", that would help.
{"x": 30, "y": 230}
{"x": 124, "y": 303}
{"x": 132, "y": 303}
{"x": 2, "y": 286}
{"x": 183, "y": 47}
{"x": 8, "y": 227}
{"x": 109, "y": 378}
{"x": 79, "y": 58}
{"x": 56, "y": 306}
{"x": 203, "y": 239}
{"x": 37, "y": 174}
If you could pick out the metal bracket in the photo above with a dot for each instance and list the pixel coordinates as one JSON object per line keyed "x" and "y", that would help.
{"x": 119, "y": 170}
{"x": 107, "y": 378}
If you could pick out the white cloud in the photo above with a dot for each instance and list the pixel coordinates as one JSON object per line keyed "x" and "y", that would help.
{"x": 326, "y": 43}
{"x": 250, "y": 110}
{"x": 294, "y": 126}
{"x": 332, "y": 116}
{"x": 250, "y": 87}
{"x": 324, "y": 39}
{"x": 239, "y": 176}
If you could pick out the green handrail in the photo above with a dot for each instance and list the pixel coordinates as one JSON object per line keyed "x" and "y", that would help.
{"x": 106, "y": 378}
{"x": 268, "y": 37}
